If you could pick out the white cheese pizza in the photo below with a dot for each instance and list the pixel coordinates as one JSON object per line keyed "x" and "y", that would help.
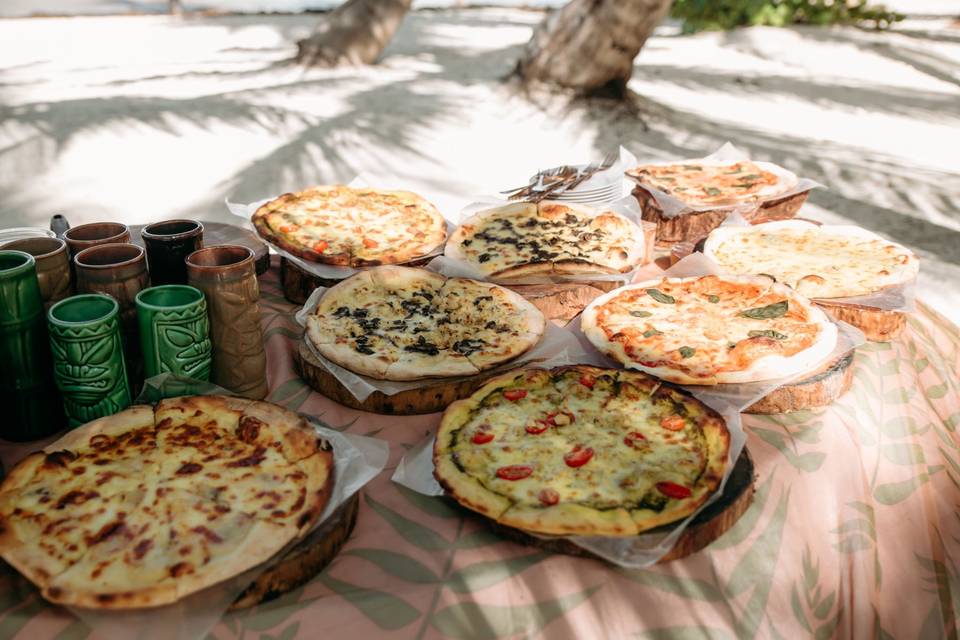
{"x": 711, "y": 329}
{"x": 400, "y": 323}
{"x": 702, "y": 183}
{"x": 828, "y": 261}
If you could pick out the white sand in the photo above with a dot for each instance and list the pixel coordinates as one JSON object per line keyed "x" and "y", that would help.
{"x": 141, "y": 118}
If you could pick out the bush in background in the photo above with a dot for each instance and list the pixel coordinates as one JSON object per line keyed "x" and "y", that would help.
{"x": 700, "y": 15}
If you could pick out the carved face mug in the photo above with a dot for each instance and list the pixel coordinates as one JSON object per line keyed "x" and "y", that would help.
{"x": 174, "y": 331}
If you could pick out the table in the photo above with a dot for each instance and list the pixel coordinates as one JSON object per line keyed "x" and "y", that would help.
{"x": 854, "y": 531}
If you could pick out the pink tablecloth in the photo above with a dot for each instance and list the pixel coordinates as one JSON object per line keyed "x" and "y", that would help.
{"x": 854, "y": 532}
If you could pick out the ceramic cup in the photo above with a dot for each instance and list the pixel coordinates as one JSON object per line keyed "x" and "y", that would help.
{"x": 120, "y": 271}
{"x": 31, "y": 406}
{"x": 94, "y": 233}
{"x": 174, "y": 331}
{"x": 53, "y": 266}
{"x": 88, "y": 362}
{"x": 168, "y": 244}
{"x": 226, "y": 275}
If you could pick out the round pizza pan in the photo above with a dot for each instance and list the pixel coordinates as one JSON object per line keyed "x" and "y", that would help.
{"x": 825, "y": 385}
{"x": 305, "y": 560}
{"x": 711, "y": 523}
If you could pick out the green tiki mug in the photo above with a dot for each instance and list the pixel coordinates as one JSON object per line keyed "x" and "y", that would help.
{"x": 88, "y": 357}
{"x": 174, "y": 331}
{"x": 30, "y": 400}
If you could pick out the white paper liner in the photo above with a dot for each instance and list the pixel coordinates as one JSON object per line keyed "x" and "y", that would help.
{"x": 900, "y": 297}
{"x": 357, "y": 460}
{"x": 557, "y": 347}
{"x": 672, "y": 206}
{"x": 328, "y": 271}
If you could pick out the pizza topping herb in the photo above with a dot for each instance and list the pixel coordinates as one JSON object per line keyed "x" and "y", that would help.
{"x": 515, "y": 472}
{"x": 515, "y": 394}
{"x": 422, "y": 346}
{"x": 548, "y": 497}
{"x": 633, "y": 439}
{"x": 482, "y": 437}
{"x": 712, "y": 191}
{"x": 537, "y": 427}
{"x": 342, "y": 312}
{"x": 641, "y": 314}
{"x": 578, "y": 457}
{"x": 468, "y": 345}
{"x": 691, "y": 167}
{"x": 673, "y": 422}
{"x": 714, "y": 299}
{"x": 775, "y": 310}
{"x": 767, "y": 333}
{"x": 649, "y": 333}
{"x": 484, "y": 257}
{"x": 673, "y": 490}
{"x": 659, "y": 296}
{"x": 686, "y": 352}
{"x": 588, "y": 381}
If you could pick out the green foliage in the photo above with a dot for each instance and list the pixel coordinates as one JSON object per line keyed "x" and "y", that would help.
{"x": 703, "y": 15}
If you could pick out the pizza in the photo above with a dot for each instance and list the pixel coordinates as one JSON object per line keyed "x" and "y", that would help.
{"x": 400, "y": 323}
{"x": 710, "y": 329}
{"x": 529, "y": 239}
{"x": 346, "y": 226}
{"x": 581, "y": 450}
{"x": 147, "y": 506}
{"x": 700, "y": 183}
{"x": 829, "y": 261}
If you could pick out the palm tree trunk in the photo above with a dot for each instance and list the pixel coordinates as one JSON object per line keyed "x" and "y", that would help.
{"x": 355, "y": 33}
{"x": 175, "y": 7}
{"x": 589, "y": 45}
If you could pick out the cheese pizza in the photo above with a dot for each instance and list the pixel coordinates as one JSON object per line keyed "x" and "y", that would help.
{"x": 400, "y": 323}
{"x": 581, "y": 450}
{"x": 829, "y": 261}
{"x": 530, "y": 239}
{"x": 703, "y": 183}
{"x": 346, "y": 226}
{"x": 711, "y": 329}
{"x": 145, "y": 507}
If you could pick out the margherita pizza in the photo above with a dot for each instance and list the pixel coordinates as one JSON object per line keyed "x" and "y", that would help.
{"x": 829, "y": 261}
{"x": 702, "y": 183}
{"x": 344, "y": 226}
{"x": 528, "y": 239}
{"x": 399, "y": 323}
{"x": 145, "y": 507}
{"x": 710, "y": 329}
{"x": 581, "y": 450}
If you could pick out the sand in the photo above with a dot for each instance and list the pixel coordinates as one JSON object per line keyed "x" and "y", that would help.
{"x": 138, "y": 118}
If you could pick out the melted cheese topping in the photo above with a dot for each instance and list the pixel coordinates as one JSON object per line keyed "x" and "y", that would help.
{"x": 707, "y": 183}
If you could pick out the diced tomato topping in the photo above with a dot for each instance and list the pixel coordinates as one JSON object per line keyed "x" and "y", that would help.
{"x": 578, "y": 457}
{"x": 552, "y": 418}
{"x": 537, "y": 427}
{"x": 287, "y": 229}
{"x": 321, "y": 246}
{"x": 588, "y": 381}
{"x": 370, "y": 243}
{"x": 515, "y": 394}
{"x": 482, "y": 437}
{"x": 515, "y": 472}
{"x": 633, "y": 439}
{"x": 549, "y": 497}
{"x": 673, "y": 490}
{"x": 673, "y": 423}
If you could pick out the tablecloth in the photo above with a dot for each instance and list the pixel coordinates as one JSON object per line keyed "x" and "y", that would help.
{"x": 854, "y": 531}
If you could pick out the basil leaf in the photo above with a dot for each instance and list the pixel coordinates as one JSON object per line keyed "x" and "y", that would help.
{"x": 641, "y": 314}
{"x": 686, "y": 352}
{"x": 649, "y": 333}
{"x": 775, "y": 310}
{"x": 691, "y": 167}
{"x": 767, "y": 333}
{"x": 659, "y": 296}
{"x": 714, "y": 299}
{"x": 712, "y": 191}
{"x": 750, "y": 176}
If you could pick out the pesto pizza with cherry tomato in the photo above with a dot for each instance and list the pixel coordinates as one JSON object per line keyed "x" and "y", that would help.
{"x": 581, "y": 450}
{"x": 352, "y": 227}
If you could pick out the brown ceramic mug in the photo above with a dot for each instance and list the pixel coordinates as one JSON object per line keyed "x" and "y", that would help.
{"x": 168, "y": 244}
{"x": 95, "y": 233}
{"x": 120, "y": 271}
{"x": 53, "y": 266}
{"x": 227, "y": 276}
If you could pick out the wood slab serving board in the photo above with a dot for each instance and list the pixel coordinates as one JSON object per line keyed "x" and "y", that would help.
{"x": 819, "y": 389}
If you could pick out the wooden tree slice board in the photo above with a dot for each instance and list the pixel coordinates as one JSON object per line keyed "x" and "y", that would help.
{"x": 435, "y": 395}
{"x": 299, "y": 284}
{"x": 305, "y": 560}
{"x": 710, "y": 524}
{"x": 878, "y": 325}
{"x": 215, "y": 233}
{"x": 690, "y": 227}
{"x": 560, "y": 303}
{"x": 828, "y": 383}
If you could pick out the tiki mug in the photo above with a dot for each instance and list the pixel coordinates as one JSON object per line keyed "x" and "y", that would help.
{"x": 29, "y": 398}
{"x": 88, "y": 357}
{"x": 168, "y": 245}
{"x": 120, "y": 271}
{"x": 90, "y": 235}
{"x": 227, "y": 277}
{"x": 53, "y": 266}
{"x": 174, "y": 331}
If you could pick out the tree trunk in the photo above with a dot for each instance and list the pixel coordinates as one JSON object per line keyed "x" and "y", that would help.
{"x": 589, "y": 45}
{"x": 175, "y": 7}
{"x": 355, "y": 33}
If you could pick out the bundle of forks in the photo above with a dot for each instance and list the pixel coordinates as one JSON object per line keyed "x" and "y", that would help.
{"x": 552, "y": 182}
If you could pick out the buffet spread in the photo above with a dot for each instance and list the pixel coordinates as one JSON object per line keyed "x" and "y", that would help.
{"x": 610, "y": 427}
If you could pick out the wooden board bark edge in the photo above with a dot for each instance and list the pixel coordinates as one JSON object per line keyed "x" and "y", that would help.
{"x": 818, "y": 390}
{"x": 711, "y": 523}
{"x": 305, "y": 560}
{"x": 878, "y": 325}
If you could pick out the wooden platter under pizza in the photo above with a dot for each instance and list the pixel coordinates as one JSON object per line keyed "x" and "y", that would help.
{"x": 828, "y": 383}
